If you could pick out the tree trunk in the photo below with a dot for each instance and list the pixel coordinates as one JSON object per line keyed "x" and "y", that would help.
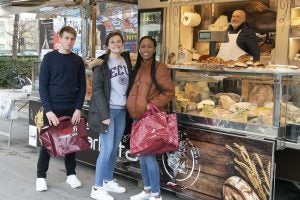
{"x": 15, "y": 36}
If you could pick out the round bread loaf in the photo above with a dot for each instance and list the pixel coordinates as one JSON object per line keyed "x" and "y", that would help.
{"x": 260, "y": 94}
{"x": 237, "y": 188}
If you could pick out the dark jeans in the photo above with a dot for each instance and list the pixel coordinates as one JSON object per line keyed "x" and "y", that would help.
{"x": 44, "y": 157}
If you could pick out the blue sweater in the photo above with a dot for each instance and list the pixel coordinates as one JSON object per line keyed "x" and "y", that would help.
{"x": 62, "y": 81}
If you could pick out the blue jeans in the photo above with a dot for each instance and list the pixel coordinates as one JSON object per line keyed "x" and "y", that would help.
{"x": 109, "y": 145}
{"x": 150, "y": 173}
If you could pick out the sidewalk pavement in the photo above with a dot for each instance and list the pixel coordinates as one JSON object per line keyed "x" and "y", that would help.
{"x": 18, "y": 171}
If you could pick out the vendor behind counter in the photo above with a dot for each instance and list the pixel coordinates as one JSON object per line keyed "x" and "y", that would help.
{"x": 242, "y": 39}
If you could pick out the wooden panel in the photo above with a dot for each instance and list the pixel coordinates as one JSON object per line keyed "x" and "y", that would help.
{"x": 204, "y": 175}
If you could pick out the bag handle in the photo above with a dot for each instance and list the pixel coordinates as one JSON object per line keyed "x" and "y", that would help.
{"x": 64, "y": 118}
{"x": 153, "y": 108}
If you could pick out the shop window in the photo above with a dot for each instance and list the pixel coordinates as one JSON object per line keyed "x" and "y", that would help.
{"x": 117, "y": 17}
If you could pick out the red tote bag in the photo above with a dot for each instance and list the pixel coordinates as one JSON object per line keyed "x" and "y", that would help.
{"x": 65, "y": 138}
{"x": 156, "y": 132}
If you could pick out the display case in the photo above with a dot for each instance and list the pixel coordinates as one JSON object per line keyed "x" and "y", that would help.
{"x": 260, "y": 103}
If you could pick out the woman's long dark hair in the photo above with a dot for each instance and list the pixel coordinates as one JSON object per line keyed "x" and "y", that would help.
{"x": 153, "y": 64}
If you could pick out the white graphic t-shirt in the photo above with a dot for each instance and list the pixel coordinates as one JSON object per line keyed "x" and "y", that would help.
{"x": 119, "y": 81}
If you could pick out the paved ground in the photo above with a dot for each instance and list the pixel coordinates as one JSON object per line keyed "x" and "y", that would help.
{"x": 18, "y": 171}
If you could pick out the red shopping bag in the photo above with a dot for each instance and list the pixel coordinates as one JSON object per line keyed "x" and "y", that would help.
{"x": 65, "y": 138}
{"x": 156, "y": 132}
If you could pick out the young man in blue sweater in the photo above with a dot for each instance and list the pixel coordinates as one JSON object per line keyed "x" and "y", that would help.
{"x": 62, "y": 91}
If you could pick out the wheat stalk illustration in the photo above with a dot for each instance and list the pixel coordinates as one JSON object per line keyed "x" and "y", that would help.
{"x": 253, "y": 169}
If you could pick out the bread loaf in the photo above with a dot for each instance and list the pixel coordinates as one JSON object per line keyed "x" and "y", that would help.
{"x": 260, "y": 94}
{"x": 233, "y": 96}
{"x": 236, "y": 188}
{"x": 225, "y": 101}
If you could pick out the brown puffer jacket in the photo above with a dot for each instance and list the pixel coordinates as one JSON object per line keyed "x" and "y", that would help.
{"x": 144, "y": 91}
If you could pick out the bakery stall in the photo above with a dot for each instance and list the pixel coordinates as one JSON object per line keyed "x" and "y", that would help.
{"x": 234, "y": 118}
{"x": 234, "y": 129}
{"x": 239, "y": 117}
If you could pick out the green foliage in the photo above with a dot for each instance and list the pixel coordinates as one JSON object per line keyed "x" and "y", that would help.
{"x": 23, "y": 65}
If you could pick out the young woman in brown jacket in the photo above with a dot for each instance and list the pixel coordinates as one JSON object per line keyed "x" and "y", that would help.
{"x": 151, "y": 83}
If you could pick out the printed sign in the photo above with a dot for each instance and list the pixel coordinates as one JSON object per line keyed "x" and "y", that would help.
{"x": 215, "y": 165}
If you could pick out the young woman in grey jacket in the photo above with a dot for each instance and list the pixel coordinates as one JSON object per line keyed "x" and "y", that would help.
{"x": 107, "y": 113}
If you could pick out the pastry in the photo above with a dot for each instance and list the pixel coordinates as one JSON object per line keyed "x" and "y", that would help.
{"x": 249, "y": 62}
{"x": 258, "y": 64}
{"x": 203, "y": 58}
{"x": 229, "y": 63}
{"x": 240, "y": 64}
{"x": 244, "y": 58}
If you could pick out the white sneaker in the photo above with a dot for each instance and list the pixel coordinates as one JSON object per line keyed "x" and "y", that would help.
{"x": 99, "y": 193}
{"x": 113, "y": 186}
{"x": 141, "y": 196}
{"x": 41, "y": 184}
{"x": 73, "y": 181}
{"x": 153, "y": 198}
